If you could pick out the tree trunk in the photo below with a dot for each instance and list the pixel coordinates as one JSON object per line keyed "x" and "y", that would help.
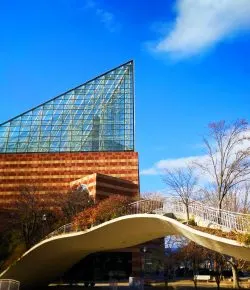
{"x": 166, "y": 275}
{"x": 195, "y": 275}
{"x": 217, "y": 279}
{"x": 187, "y": 212}
{"x": 236, "y": 284}
{"x": 219, "y": 215}
{"x": 217, "y": 274}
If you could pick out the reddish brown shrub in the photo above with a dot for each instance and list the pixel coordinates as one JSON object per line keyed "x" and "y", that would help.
{"x": 112, "y": 207}
{"x": 85, "y": 219}
{"x": 107, "y": 209}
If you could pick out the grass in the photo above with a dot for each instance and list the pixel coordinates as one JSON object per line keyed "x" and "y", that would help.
{"x": 172, "y": 285}
{"x": 189, "y": 285}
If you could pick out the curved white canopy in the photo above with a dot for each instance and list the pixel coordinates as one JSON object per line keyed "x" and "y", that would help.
{"x": 52, "y": 257}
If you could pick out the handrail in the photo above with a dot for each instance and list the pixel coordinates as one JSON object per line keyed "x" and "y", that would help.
{"x": 226, "y": 220}
{"x": 62, "y": 230}
{"x": 141, "y": 206}
{"x": 222, "y": 210}
{"x": 9, "y": 284}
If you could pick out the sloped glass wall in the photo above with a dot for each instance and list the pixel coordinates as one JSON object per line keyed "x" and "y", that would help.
{"x": 96, "y": 116}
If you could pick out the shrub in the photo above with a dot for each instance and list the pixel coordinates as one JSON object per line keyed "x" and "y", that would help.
{"x": 107, "y": 209}
{"x": 192, "y": 222}
{"x": 75, "y": 201}
{"x": 244, "y": 239}
{"x": 85, "y": 219}
{"x": 112, "y": 207}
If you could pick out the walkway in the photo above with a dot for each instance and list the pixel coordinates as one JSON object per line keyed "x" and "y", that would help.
{"x": 60, "y": 250}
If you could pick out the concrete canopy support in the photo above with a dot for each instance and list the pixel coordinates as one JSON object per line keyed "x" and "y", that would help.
{"x": 50, "y": 258}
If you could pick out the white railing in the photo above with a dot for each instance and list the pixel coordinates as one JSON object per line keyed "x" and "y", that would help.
{"x": 142, "y": 206}
{"x": 226, "y": 220}
{"x": 9, "y": 284}
{"x": 68, "y": 228}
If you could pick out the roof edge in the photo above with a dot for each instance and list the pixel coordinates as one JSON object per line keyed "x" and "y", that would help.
{"x": 75, "y": 88}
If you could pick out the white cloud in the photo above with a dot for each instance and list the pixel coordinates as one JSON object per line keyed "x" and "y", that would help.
{"x": 105, "y": 16}
{"x": 150, "y": 171}
{"x": 200, "y": 24}
{"x": 179, "y": 162}
{"x": 159, "y": 167}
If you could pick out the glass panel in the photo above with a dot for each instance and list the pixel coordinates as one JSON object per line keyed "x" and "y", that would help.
{"x": 96, "y": 116}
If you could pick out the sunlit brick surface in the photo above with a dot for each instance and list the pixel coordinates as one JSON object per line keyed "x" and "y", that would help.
{"x": 53, "y": 172}
{"x": 101, "y": 186}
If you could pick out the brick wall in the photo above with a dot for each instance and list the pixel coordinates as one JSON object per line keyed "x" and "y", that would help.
{"x": 101, "y": 186}
{"x": 53, "y": 172}
{"x": 107, "y": 185}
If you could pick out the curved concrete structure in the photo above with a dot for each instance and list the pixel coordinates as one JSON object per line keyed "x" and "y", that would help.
{"x": 52, "y": 257}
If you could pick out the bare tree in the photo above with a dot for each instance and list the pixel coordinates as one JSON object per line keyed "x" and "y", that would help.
{"x": 174, "y": 257}
{"x": 227, "y": 163}
{"x": 238, "y": 200}
{"x": 236, "y": 265}
{"x": 158, "y": 196}
{"x": 245, "y": 199}
{"x": 75, "y": 201}
{"x": 182, "y": 183}
{"x": 29, "y": 214}
{"x": 194, "y": 254}
{"x": 232, "y": 201}
{"x": 33, "y": 216}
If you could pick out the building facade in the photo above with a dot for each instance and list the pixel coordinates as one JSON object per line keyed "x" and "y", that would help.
{"x": 83, "y": 137}
{"x": 84, "y": 131}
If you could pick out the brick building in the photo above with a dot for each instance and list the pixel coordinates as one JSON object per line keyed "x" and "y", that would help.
{"x": 83, "y": 137}
{"x": 84, "y": 131}
{"x": 55, "y": 172}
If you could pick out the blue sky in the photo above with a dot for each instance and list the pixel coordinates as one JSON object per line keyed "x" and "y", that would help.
{"x": 191, "y": 57}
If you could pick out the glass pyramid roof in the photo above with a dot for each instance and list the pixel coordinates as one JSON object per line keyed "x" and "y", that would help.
{"x": 96, "y": 116}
